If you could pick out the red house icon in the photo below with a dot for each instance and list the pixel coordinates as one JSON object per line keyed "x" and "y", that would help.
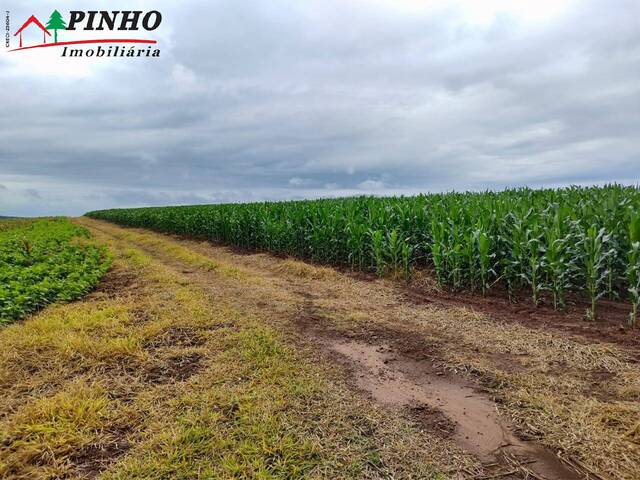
{"x": 31, "y": 20}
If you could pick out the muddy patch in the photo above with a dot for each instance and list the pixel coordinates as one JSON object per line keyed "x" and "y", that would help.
{"x": 432, "y": 420}
{"x": 94, "y": 459}
{"x": 174, "y": 369}
{"x": 114, "y": 284}
{"x": 178, "y": 336}
{"x": 468, "y": 416}
{"x": 611, "y": 326}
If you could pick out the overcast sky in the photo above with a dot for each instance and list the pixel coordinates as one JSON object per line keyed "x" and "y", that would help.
{"x": 273, "y": 99}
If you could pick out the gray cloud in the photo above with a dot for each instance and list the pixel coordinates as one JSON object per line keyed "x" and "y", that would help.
{"x": 274, "y": 99}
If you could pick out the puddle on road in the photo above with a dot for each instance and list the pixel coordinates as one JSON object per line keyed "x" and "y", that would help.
{"x": 479, "y": 429}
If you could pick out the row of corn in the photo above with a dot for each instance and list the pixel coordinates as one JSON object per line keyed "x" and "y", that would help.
{"x": 551, "y": 243}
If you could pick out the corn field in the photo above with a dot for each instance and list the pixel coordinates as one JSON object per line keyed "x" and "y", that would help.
{"x": 548, "y": 242}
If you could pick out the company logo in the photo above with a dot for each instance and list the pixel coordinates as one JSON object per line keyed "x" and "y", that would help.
{"x": 69, "y": 33}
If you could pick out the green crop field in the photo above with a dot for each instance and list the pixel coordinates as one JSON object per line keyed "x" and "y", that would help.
{"x": 45, "y": 261}
{"x": 549, "y": 242}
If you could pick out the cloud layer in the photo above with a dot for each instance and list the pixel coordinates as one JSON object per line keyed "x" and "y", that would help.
{"x": 274, "y": 99}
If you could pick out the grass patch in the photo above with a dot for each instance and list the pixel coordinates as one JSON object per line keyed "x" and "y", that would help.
{"x": 164, "y": 380}
{"x": 177, "y": 252}
{"x": 39, "y": 438}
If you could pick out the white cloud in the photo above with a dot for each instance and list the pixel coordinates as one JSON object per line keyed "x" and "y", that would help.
{"x": 273, "y": 99}
{"x": 371, "y": 185}
{"x": 299, "y": 182}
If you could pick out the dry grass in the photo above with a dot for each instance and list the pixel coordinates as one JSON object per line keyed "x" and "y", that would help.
{"x": 42, "y": 436}
{"x": 177, "y": 252}
{"x": 305, "y": 270}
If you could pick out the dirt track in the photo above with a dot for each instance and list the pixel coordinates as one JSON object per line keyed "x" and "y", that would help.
{"x": 525, "y": 400}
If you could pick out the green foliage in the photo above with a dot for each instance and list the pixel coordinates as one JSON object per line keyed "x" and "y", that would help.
{"x": 44, "y": 261}
{"x": 633, "y": 268}
{"x": 485, "y": 258}
{"x": 377, "y": 249}
{"x": 407, "y": 258}
{"x": 552, "y": 241}
{"x": 594, "y": 245}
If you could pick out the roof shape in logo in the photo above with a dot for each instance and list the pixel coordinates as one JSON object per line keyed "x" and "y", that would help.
{"x": 30, "y": 20}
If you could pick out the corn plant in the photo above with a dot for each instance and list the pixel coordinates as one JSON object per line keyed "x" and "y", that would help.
{"x": 437, "y": 251}
{"x": 485, "y": 258}
{"x": 595, "y": 253}
{"x": 633, "y": 269}
{"x": 534, "y": 262}
{"x": 393, "y": 251}
{"x": 356, "y": 245}
{"x": 377, "y": 247}
{"x": 559, "y": 257}
{"x": 453, "y": 252}
{"x": 407, "y": 259}
{"x": 513, "y": 253}
{"x": 633, "y": 277}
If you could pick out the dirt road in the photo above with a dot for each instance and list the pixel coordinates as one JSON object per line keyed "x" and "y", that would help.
{"x": 303, "y": 371}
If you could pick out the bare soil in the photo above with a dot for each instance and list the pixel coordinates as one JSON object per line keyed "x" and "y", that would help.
{"x": 471, "y": 416}
{"x": 94, "y": 459}
{"x": 396, "y": 369}
{"x": 610, "y": 326}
